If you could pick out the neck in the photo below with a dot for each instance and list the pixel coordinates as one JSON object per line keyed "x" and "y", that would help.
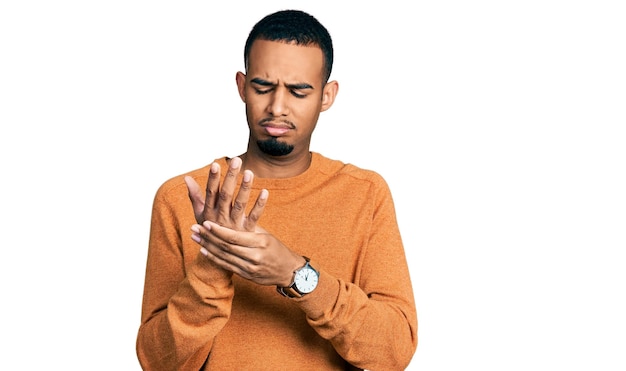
{"x": 264, "y": 166}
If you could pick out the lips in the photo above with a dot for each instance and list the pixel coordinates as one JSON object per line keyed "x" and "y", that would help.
{"x": 276, "y": 129}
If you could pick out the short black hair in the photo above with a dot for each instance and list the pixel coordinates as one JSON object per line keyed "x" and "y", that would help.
{"x": 293, "y": 26}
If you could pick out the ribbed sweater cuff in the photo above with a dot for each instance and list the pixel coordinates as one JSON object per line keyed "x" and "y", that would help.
{"x": 323, "y": 297}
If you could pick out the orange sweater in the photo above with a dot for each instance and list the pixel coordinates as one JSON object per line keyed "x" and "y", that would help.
{"x": 361, "y": 315}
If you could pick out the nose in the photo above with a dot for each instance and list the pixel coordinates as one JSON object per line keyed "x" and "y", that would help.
{"x": 278, "y": 104}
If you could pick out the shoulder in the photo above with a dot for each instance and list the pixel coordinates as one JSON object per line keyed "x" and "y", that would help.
{"x": 339, "y": 168}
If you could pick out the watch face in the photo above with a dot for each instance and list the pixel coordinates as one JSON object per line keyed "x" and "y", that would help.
{"x": 306, "y": 280}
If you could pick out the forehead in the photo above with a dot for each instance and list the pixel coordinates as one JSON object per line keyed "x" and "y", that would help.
{"x": 278, "y": 60}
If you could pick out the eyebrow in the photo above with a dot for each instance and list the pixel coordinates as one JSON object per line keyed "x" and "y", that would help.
{"x": 298, "y": 86}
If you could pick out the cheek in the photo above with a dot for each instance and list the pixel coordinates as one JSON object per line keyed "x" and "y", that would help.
{"x": 308, "y": 109}
{"x": 255, "y": 107}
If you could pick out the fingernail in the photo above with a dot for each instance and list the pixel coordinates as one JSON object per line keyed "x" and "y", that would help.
{"x": 247, "y": 176}
{"x": 235, "y": 162}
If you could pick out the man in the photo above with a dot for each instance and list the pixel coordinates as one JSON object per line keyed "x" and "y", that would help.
{"x": 279, "y": 258}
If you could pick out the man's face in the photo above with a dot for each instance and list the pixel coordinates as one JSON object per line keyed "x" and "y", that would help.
{"x": 284, "y": 95}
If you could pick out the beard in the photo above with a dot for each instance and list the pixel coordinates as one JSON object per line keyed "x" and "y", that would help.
{"x": 273, "y": 147}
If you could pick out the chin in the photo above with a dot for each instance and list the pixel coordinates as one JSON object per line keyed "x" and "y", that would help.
{"x": 274, "y": 147}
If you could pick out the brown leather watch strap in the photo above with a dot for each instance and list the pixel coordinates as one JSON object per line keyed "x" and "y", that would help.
{"x": 288, "y": 292}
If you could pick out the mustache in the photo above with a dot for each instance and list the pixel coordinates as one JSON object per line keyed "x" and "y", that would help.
{"x": 271, "y": 120}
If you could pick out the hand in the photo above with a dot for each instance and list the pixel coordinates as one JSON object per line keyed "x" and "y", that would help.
{"x": 256, "y": 256}
{"x": 217, "y": 203}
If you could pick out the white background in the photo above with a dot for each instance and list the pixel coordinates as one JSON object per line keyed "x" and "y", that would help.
{"x": 499, "y": 126}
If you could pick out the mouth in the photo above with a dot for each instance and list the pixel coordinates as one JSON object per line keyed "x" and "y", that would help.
{"x": 276, "y": 129}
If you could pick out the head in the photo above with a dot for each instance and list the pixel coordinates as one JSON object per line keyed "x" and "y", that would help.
{"x": 293, "y": 26}
{"x": 288, "y": 58}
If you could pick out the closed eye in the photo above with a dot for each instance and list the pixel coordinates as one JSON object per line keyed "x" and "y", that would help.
{"x": 297, "y": 95}
{"x": 263, "y": 87}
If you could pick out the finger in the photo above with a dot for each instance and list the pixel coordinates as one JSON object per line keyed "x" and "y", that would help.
{"x": 238, "y": 211}
{"x": 256, "y": 212}
{"x": 218, "y": 249}
{"x": 221, "y": 262}
{"x": 225, "y": 199}
{"x": 202, "y": 236}
{"x": 212, "y": 191}
{"x": 208, "y": 241}
{"x": 196, "y": 198}
{"x": 223, "y": 236}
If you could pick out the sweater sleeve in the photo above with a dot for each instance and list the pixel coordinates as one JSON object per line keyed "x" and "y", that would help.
{"x": 371, "y": 323}
{"x": 181, "y": 313}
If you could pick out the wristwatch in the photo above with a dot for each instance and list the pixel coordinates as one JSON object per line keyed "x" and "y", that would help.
{"x": 304, "y": 282}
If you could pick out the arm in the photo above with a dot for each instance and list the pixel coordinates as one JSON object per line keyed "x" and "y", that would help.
{"x": 182, "y": 311}
{"x": 372, "y": 322}
{"x": 187, "y": 299}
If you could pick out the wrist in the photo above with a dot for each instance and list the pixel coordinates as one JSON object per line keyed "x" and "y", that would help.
{"x": 305, "y": 279}
{"x": 298, "y": 263}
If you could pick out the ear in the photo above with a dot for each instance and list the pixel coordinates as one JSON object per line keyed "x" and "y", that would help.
{"x": 328, "y": 94}
{"x": 241, "y": 85}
